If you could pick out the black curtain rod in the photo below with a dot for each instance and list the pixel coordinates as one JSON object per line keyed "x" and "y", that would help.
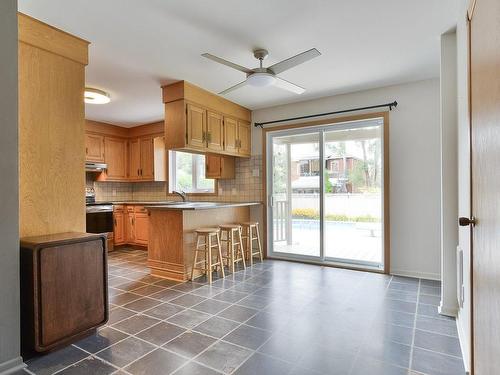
{"x": 390, "y": 105}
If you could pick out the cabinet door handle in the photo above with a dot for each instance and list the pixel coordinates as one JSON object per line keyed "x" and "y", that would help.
{"x": 86, "y": 150}
{"x": 138, "y": 172}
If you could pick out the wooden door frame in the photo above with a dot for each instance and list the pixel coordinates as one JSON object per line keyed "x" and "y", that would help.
{"x": 386, "y": 189}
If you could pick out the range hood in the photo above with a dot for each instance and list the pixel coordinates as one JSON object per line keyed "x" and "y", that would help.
{"x": 95, "y": 167}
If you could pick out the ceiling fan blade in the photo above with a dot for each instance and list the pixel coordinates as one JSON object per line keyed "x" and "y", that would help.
{"x": 227, "y": 63}
{"x": 289, "y": 86}
{"x": 232, "y": 88}
{"x": 294, "y": 61}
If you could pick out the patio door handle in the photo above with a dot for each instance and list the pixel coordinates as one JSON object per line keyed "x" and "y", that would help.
{"x": 271, "y": 201}
{"x": 465, "y": 221}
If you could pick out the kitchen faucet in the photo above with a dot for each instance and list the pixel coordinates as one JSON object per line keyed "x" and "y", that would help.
{"x": 182, "y": 194}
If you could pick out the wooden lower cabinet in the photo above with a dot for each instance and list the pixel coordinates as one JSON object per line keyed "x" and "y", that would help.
{"x": 131, "y": 225}
{"x": 64, "y": 293}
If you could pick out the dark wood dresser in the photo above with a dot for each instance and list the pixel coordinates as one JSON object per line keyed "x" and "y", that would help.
{"x": 64, "y": 293}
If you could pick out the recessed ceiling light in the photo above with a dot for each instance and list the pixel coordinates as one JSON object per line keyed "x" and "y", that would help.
{"x": 96, "y": 96}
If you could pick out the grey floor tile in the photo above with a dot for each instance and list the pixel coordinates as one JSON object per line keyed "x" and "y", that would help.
{"x": 224, "y": 283}
{"x": 401, "y": 295}
{"x": 286, "y": 348}
{"x": 230, "y": 296}
{"x": 387, "y": 351}
{"x": 189, "y": 344}
{"x": 101, "y": 339}
{"x": 207, "y": 291}
{"x": 164, "y": 311}
{"x": 187, "y": 287}
{"x": 391, "y": 332}
{"x": 430, "y": 300}
{"x": 119, "y": 313}
{"x": 398, "y": 305}
{"x": 211, "y": 306}
{"x": 129, "y": 285}
{"x": 433, "y": 283}
{"x": 247, "y": 336}
{"x": 403, "y": 287}
{"x": 238, "y": 313}
{"x": 124, "y": 298}
{"x": 135, "y": 324}
{"x": 303, "y": 371}
{"x": 397, "y": 317}
{"x": 224, "y": 357}
{"x": 364, "y": 366}
{"x": 148, "y": 290}
{"x": 255, "y": 302}
{"x": 155, "y": 363}
{"x": 444, "y": 327}
{"x": 160, "y": 333}
{"x": 216, "y": 327}
{"x": 167, "y": 295}
{"x": 126, "y": 351}
{"x": 193, "y": 368}
{"x": 142, "y": 304}
{"x": 432, "y": 363}
{"x": 187, "y": 300}
{"x": 55, "y": 361}
{"x": 264, "y": 320}
{"x": 259, "y": 364}
{"x": 189, "y": 318}
{"x": 405, "y": 280}
{"x": 438, "y": 343}
{"x": 430, "y": 290}
{"x": 324, "y": 360}
{"x": 167, "y": 283}
{"x": 90, "y": 365}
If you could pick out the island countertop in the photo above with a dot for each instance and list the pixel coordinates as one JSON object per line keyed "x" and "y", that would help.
{"x": 200, "y": 205}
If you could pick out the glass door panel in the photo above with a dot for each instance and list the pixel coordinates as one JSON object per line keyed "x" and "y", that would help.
{"x": 353, "y": 200}
{"x": 296, "y": 194}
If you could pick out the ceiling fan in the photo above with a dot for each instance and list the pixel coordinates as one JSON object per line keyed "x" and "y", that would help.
{"x": 262, "y": 77}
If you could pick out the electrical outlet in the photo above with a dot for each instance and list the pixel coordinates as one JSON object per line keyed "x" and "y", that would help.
{"x": 114, "y": 192}
{"x": 234, "y": 191}
{"x": 255, "y": 172}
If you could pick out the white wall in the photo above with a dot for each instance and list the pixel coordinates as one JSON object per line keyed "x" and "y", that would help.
{"x": 414, "y": 166}
{"x": 9, "y": 218}
{"x": 449, "y": 179}
{"x": 463, "y": 317}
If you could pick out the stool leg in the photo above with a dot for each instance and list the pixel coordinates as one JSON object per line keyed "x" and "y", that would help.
{"x": 195, "y": 256}
{"x": 231, "y": 248}
{"x": 242, "y": 253}
{"x": 209, "y": 252}
{"x": 250, "y": 245}
{"x": 258, "y": 243}
{"x": 220, "y": 256}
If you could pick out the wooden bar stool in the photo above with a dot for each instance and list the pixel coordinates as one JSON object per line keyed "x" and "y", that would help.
{"x": 211, "y": 239}
{"x": 251, "y": 234}
{"x": 231, "y": 236}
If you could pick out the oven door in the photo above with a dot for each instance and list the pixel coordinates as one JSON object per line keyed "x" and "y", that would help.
{"x": 99, "y": 221}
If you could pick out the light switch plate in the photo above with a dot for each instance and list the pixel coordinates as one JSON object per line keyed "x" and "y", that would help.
{"x": 255, "y": 172}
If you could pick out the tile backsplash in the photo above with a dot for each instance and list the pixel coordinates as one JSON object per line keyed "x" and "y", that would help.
{"x": 246, "y": 186}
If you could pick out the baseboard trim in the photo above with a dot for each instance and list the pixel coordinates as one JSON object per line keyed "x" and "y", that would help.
{"x": 417, "y": 274}
{"x": 462, "y": 339}
{"x": 11, "y": 366}
{"x": 448, "y": 310}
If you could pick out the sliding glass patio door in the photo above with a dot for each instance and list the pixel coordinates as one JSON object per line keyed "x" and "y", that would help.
{"x": 326, "y": 193}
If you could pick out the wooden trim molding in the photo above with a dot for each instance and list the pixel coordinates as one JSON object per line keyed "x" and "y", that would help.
{"x": 470, "y": 10}
{"x": 386, "y": 189}
{"x": 46, "y": 37}
{"x": 105, "y": 129}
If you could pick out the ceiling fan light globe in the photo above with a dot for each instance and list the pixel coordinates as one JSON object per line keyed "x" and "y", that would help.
{"x": 261, "y": 79}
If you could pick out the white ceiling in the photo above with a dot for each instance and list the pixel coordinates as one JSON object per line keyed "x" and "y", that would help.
{"x": 139, "y": 45}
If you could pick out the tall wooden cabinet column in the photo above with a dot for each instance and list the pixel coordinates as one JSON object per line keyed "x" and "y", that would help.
{"x": 51, "y": 129}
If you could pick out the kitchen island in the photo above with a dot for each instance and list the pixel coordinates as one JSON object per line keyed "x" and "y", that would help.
{"x": 172, "y": 237}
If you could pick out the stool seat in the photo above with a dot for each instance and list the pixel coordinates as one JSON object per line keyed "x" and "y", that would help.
{"x": 207, "y": 230}
{"x": 229, "y": 226}
{"x": 248, "y": 223}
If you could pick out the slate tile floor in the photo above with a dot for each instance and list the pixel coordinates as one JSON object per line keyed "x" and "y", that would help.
{"x": 274, "y": 318}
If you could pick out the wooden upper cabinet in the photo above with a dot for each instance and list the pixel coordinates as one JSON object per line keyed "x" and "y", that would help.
{"x": 115, "y": 156}
{"x": 230, "y": 135}
{"x": 244, "y": 138}
{"x": 215, "y": 131}
{"x": 196, "y": 122}
{"x": 94, "y": 148}
{"x": 199, "y": 121}
{"x": 219, "y": 166}
{"x": 134, "y": 159}
{"x": 147, "y": 158}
